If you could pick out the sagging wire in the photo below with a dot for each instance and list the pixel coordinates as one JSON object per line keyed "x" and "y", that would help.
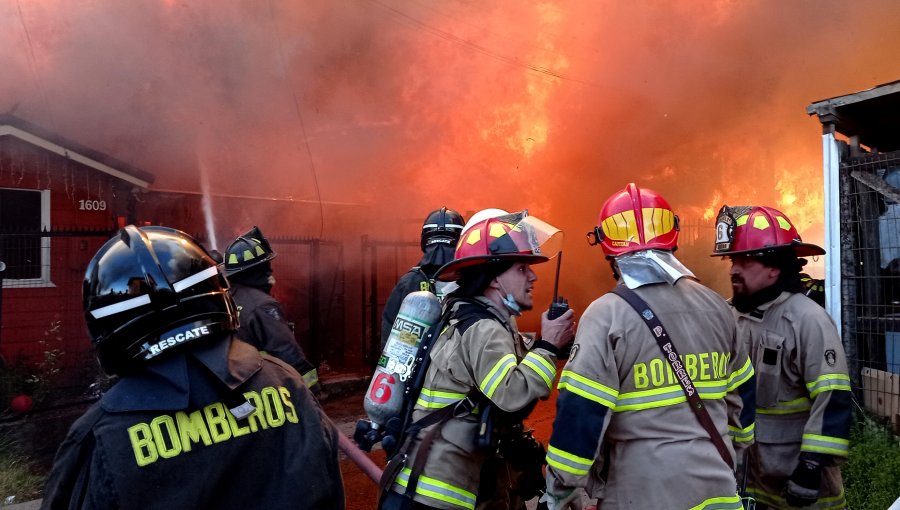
{"x": 299, "y": 113}
{"x": 32, "y": 60}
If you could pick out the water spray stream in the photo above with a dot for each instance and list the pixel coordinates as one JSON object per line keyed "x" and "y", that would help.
{"x": 207, "y": 208}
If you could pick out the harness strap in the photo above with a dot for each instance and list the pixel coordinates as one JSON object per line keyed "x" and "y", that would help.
{"x": 671, "y": 355}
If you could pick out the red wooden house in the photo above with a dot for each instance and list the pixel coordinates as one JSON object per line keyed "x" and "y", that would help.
{"x": 59, "y": 202}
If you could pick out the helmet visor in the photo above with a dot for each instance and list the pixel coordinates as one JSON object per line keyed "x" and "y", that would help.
{"x": 519, "y": 233}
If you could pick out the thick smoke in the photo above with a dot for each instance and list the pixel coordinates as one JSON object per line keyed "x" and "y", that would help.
{"x": 403, "y": 106}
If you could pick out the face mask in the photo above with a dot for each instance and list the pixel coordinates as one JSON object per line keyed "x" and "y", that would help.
{"x": 509, "y": 301}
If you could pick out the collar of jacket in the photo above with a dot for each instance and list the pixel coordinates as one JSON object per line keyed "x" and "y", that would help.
{"x": 502, "y": 314}
{"x": 164, "y": 385}
{"x": 760, "y": 311}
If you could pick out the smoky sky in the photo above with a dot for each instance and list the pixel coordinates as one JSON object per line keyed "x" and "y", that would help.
{"x": 407, "y": 105}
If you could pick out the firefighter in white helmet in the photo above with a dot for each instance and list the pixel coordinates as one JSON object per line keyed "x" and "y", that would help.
{"x": 624, "y": 428}
{"x": 484, "y": 376}
{"x": 803, "y": 396}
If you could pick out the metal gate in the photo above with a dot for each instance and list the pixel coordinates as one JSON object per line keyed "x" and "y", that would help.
{"x": 383, "y": 263}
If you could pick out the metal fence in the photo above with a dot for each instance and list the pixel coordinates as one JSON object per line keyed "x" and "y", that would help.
{"x": 870, "y": 279}
{"x": 383, "y": 263}
{"x": 43, "y": 339}
{"x": 310, "y": 284}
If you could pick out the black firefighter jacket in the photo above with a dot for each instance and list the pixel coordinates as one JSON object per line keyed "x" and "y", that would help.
{"x": 164, "y": 438}
{"x": 264, "y": 326}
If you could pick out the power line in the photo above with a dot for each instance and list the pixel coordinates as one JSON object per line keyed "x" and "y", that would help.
{"x": 458, "y": 41}
{"x": 299, "y": 113}
{"x": 32, "y": 60}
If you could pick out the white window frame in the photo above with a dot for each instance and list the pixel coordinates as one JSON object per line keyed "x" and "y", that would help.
{"x": 44, "y": 279}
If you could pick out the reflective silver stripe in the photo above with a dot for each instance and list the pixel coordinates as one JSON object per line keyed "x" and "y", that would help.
{"x": 666, "y": 396}
{"x": 195, "y": 278}
{"x": 740, "y": 376}
{"x": 430, "y": 399}
{"x": 436, "y": 489}
{"x": 492, "y": 380}
{"x": 565, "y": 461}
{"x": 721, "y": 503}
{"x": 825, "y": 444}
{"x": 828, "y": 382}
{"x": 541, "y": 366}
{"x": 447, "y": 225}
{"x": 121, "y": 306}
{"x": 587, "y": 388}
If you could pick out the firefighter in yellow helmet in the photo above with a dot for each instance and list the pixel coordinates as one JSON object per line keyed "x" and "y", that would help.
{"x": 248, "y": 266}
{"x": 803, "y": 396}
{"x": 655, "y": 400}
{"x": 484, "y": 377}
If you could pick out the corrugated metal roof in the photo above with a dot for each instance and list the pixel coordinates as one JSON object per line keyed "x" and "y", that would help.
{"x": 872, "y": 115}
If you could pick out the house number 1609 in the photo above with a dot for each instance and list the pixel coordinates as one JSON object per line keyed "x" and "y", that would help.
{"x": 92, "y": 205}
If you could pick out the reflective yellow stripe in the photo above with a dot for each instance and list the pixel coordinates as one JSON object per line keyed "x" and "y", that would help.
{"x": 828, "y": 382}
{"x": 742, "y": 435}
{"x": 568, "y": 462}
{"x": 825, "y": 444}
{"x": 740, "y": 376}
{"x": 492, "y": 380}
{"x": 311, "y": 378}
{"x": 584, "y": 387}
{"x": 720, "y": 503}
{"x": 776, "y": 500}
{"x": 798, "y": 405}
{"x": 439, "y": 490}
{"x": 431, "y": 399}
{"x": 667, "y": 396}
{"x": 544, "y": 368}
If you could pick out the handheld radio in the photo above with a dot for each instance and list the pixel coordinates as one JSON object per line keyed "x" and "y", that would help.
{"x": 559, "y": 305}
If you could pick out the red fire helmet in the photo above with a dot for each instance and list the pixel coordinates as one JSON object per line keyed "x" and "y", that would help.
{"x": 635, "y": 219}
{"x": 514, "y": 237}
{"x": 751, "y": 230}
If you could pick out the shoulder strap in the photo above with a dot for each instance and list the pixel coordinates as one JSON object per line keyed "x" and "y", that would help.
{"x": 671, "y": 355}
{"x": 428, "y": 284}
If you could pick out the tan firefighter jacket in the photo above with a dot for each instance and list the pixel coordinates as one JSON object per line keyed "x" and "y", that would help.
{"x": 623, "y": 420}
{"x": 803, "y": 396}
{"x": 489, "y": 356}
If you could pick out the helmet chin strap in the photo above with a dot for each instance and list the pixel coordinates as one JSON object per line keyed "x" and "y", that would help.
{"x": 509, "y": 301}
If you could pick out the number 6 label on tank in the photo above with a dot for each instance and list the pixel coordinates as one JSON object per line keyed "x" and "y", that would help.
{"x": 381, "y": 388}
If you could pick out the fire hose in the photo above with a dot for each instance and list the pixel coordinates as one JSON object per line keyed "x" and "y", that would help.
{"x": 359, "y": 457}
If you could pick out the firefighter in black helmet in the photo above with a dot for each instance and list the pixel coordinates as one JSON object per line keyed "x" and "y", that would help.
{"x": 440, "y": 232}
{"x": 198, "y": 419}
{"x": 248, "y": 265}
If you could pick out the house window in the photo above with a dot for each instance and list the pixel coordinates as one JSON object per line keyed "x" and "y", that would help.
{"x": 23, "y": 213}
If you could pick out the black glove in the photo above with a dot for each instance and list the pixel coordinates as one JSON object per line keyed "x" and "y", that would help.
{"x": 806, "y": 480}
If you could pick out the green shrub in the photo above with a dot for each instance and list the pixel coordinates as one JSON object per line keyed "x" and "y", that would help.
{"x": 20, "y": 477}
{"x": 872, "y": 472}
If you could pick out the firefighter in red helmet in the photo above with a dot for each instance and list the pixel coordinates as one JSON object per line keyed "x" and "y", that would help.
{"x": 484, "y": 377}
{"x": 657, "y": 395}
{"x": 803, "y": 395}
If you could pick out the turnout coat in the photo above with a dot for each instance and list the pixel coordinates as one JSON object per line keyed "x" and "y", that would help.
{"x": 488, "y": 357}
{"x": 623, "y": 428}
{"x": 165, "y": 438}
{"x": 803, "y": 397}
